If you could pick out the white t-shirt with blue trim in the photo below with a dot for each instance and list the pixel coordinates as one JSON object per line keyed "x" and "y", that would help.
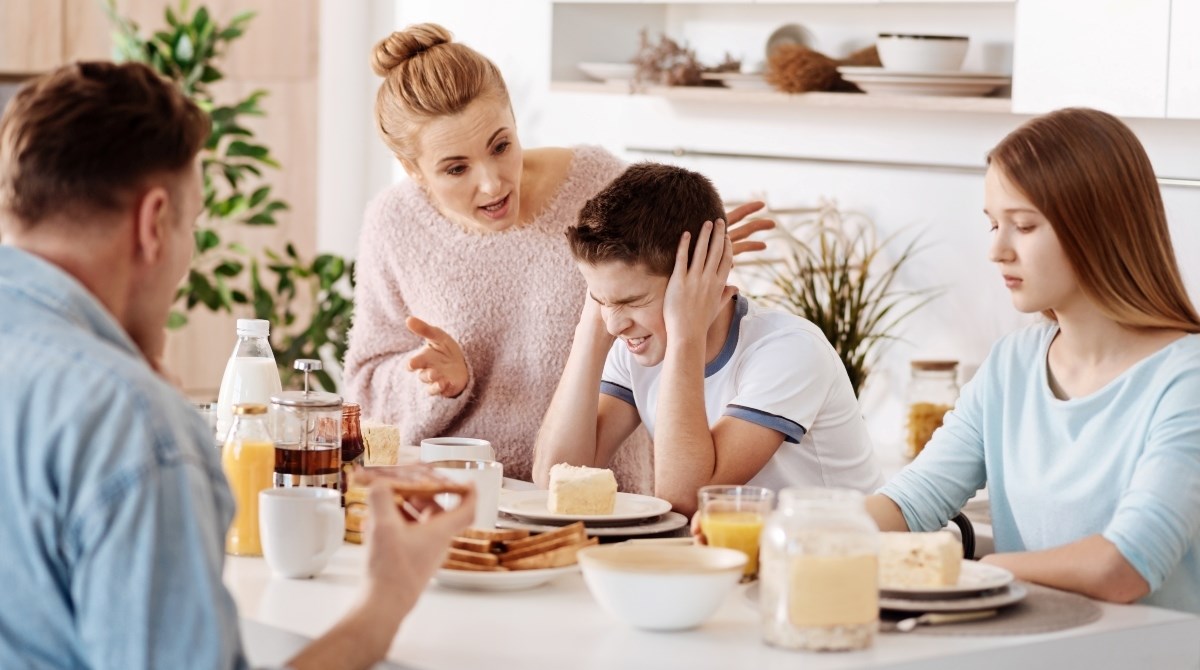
{"x": 1123, "y": 461}
{"x": 777, "y": 370}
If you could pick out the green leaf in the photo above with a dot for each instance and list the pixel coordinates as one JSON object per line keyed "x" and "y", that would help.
{"x": 201, "y": 18}
{"x": 228, "y": 269}
{"x": 239, "y": 148}
{"x": 176, "y": 320}
{"x": 259, "y": 195}
{"x": 260, "y": 219}
{"x": 206, "y": 239}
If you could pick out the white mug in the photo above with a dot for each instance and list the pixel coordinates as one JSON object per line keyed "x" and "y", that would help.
{"x": 301, "y": 527}
{"x": 456, "y": 449}
{"x": 487, "y": 476}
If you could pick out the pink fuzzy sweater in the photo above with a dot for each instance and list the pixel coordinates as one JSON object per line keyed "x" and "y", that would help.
{"x": 510, "y": 299}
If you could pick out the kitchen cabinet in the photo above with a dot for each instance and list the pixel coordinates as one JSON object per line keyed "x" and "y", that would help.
{"x": 1183, "y": 75}
{"x": 1132, "y": 58}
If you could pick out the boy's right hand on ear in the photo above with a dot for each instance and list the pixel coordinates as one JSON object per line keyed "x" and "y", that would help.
{"x": 440, "y": 364}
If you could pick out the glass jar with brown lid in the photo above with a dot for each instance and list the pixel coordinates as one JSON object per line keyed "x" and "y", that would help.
{"x": 932, "y": 391}
{"x": 352, "y": 442}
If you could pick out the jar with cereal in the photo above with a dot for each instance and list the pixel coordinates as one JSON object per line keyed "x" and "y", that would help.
{"x": 932, "y": 391}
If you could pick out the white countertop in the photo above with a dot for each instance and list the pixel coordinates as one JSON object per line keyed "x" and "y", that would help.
{"x": 559, "y": 625}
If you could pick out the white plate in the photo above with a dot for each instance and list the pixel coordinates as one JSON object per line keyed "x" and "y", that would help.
{"x": 1013, "y": 593}
{"x": 608, "y": 71}
{"x": 510, "y": 580}
{"x": 629, "y": 507}
{"x": 890, "y": 82}
{"x": 738, "y": 80}
{"x": 974, "y": 578}
{"x": 652, "y": 526}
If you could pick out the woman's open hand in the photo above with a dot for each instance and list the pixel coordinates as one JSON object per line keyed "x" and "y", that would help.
{"x": 738, "y": 231}
{"x": 440, "y": 364}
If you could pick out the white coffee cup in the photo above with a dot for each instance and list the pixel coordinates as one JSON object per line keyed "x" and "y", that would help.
{"x": 487, "y": 476}
{"x": 456, "y": 449}
{"x": 301, "y": 527}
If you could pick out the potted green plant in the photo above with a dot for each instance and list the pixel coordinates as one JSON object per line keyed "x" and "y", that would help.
{"x": 308, "y": 301}
{"x": 837, "y": 275}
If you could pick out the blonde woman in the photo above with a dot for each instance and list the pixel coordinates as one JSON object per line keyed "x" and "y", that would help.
{"x": 1085, "y": 427}
{"x": 467, "y": 295}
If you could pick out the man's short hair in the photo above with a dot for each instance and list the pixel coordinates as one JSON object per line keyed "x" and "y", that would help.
{"x": 640, "y": 216}
{"x": 85, "y": 137}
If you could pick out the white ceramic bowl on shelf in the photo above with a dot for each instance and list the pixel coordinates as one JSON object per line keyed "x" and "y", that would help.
{"x": 660, "y": 586}
{"x": 921, "y": 53}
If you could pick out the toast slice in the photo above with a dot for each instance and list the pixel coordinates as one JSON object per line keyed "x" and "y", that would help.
{"x": 495, "y": 534}
{"x": 474, "y": 557}
{"x": 555, "y": 558}
{"x": 452, "y": 564}
{"x": 480, "y": 546}
{"x": 409, "y": 482}
{"x": 547, "y": 545}
{"x": 533, "y": 540}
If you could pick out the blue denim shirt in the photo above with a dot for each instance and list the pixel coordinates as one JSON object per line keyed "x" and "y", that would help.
{"x": 113, "y": 505}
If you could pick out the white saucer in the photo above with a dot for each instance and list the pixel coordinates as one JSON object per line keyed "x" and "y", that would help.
{"x": 531, "y": 505}
{"x": 608, "y": 72}
{"x": 974, "y": 578}
{"x": 652, "y": 526}
{"x": 1013, "y": 593}
{"x": 508, "y": 580}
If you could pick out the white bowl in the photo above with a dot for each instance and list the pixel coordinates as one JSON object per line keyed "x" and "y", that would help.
{"x": 660, "y": 587}
{"x": 921, "y": 53}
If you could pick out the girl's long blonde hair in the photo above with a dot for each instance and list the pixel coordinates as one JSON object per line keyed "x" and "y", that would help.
{"x": 1091, "y": 178}
{"x": 427, "y": 76}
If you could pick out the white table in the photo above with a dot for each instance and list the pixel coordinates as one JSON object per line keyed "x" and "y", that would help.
{"x": 559, "y": 625}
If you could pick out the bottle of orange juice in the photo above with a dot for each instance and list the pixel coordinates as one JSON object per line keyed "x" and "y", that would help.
{"x": 248, "y": 459}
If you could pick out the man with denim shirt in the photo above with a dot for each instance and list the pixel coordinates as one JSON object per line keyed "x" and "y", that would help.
{"x": 113, "y": 505}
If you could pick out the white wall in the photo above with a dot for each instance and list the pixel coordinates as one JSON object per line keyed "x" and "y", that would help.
{"x": 974, "y": 310}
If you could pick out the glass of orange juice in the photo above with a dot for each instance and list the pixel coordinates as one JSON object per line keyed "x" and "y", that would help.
{"x": 733, "y": 516}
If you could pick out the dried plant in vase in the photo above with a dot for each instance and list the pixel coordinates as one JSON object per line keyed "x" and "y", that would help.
{"x": 665, "y": 64}
{"x": 838, "y": 276}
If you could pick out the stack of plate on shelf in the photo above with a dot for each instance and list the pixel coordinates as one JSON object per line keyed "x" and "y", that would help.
{"x": 957, "y": 83}
{"x": 738, "y": 79}
{"x": 980, "y": 587}
{"x": 633, "y": 516}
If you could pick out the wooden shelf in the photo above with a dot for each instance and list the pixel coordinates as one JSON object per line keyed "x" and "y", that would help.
{"x": 766, "y": 96}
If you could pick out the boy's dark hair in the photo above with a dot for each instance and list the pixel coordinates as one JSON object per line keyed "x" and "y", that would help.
{"x": 85, "y": 137}
{"x": 640, "y": 216}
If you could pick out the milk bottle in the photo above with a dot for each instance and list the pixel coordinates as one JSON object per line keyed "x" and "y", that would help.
{"x": 250, "y": 375}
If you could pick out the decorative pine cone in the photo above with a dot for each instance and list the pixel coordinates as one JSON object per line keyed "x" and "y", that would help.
{"x": 793, "y": 68}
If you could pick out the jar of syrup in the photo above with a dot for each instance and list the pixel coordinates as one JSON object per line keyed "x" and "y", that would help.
{"x": 353, "y": 446}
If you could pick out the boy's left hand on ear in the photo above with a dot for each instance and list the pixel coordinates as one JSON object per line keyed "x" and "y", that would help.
{"x": 696, "y": 290}
{"x": 739, "y": 231}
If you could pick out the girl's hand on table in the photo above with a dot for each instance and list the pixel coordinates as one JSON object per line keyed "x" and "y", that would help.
{"x": 440, "y": 364}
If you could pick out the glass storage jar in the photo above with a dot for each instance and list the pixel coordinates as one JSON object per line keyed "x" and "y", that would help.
{"x": 932, "y": 391}
{"x": 819, "y": 572}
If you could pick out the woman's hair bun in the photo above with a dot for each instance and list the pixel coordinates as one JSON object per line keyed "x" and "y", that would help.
{"x": 404, "y": 44}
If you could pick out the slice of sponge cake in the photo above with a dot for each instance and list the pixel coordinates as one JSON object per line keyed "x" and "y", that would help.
{"x": 918, "y": 560}
{"x": 581, "y": 490}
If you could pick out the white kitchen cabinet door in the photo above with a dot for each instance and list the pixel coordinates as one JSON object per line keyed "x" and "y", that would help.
{"x": 1183, "y": 76}
{"x": 1107, "y": 54}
